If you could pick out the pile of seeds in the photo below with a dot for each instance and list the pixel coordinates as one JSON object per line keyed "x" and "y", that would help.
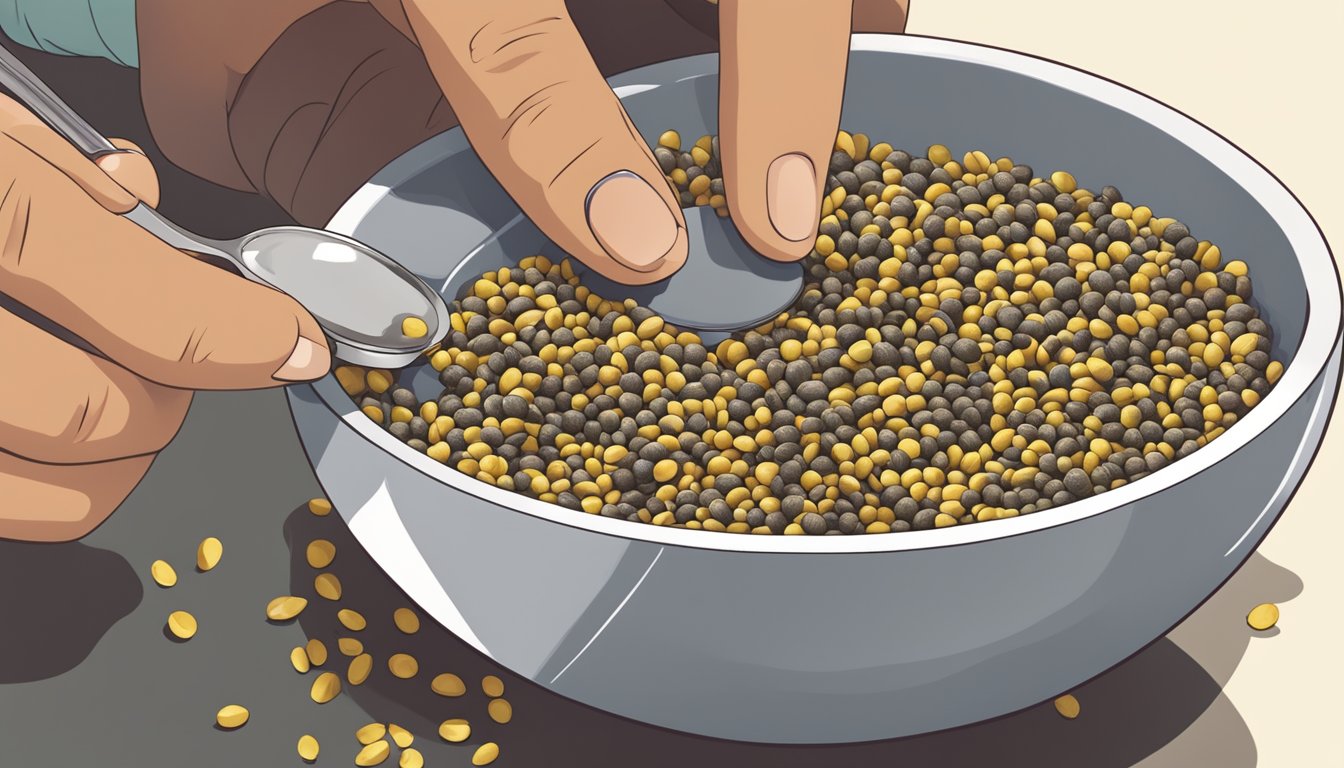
{"x": 975, "y": 342}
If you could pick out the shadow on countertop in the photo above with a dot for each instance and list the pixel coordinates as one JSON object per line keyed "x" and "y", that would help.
{"x": 56, "y": 602}
{"x": 1128, "y": 713}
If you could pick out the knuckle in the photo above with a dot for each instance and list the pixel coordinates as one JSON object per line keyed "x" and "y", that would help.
{"x": 512, "y": 37}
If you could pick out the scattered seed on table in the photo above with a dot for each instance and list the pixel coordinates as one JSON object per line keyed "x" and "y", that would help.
{"x": 413, "y": 327}
{"x": 163, "y": 573}
{"x": 319, "y": 507}
{"x": 455, "y": 730}
{"x": 485, "y": 754}
{"x": 349, "y": 646}
{"x": 208, "y": 553}
{"x": 300, "y": 661}
{"x": 359, "y": 669}
{"x": 320, "y": 553}
{"x": 492, "y": 686}
{"x": 371, "y": 733}
{"x": 411, "y": 758}
{"x": 182, "y": 624}
{"x": 317, "y": 652}
{"x": 448, "y": 684}
{"x": 406, "y": 620}
{"x": 327, "y": 585}
{"x": 232, "y": 716}
{"x": 373, "y": 754}
{"x": 1067, "y": 706}
{"x": 400, "y": 736}
{"x": 1263, "y": 616}
{"x": 325, "y": 687}
{"x": 308, "y": 748}
{"x": 285, "y": 607}
{"x": 403, "y": 665}
{"x": 501, "y": 711}
{"x": 351, "y": 620}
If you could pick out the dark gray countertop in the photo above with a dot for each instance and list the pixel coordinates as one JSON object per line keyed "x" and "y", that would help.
{"x": 89, "y": 677}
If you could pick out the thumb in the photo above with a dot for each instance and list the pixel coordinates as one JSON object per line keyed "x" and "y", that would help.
{"x": 132, "y": 170}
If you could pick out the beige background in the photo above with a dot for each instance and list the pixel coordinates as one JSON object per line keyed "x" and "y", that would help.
{"x": 1266, "y": 76}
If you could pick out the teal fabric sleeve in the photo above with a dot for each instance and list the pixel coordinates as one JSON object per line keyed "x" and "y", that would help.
{"x": 104, "y": 28}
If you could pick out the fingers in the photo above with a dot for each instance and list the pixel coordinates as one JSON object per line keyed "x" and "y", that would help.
{"x": 165, "y": 316}
{"x": 887, "y": 16}
{"x": 542, "y": 118}
{"x": 133, "y": 171}
{"x": 24, "y": 128}
{"x": 62, "y": 502}
{"x": 87, "y": 409}
{"x": 781, "y": 83}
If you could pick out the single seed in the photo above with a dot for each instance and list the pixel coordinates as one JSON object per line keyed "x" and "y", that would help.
{"x": 299, "y": 659}
{"x": 320, "y": 553}
{"x": 485, "y": 754}
{"x": 373, "y": 754}
{"x": 351, "y": 620}
{"x": 400, "y": 736}
{"x": 317, "y": 652}
{"x": 349, "y": 646}
{"x": 325, "y": 687}
{"x": 308, "y": 748}
{"x": 414, "y": 327}
{"x": 1067, "y": 706}
{"x": 403, "y": 665}
{"x": 371, "y": 733}
{"x": 501, "y": 711}
{"x": 411, "y": 758}
{"x": 1263, "y": 616}
{"x": 182, "y": 624}
{"x": 232, "y": 716}
{"x": 492, "y": 686}
{"x": 455, "y": 730}
{"x": 285, "y": 607}
{"x": 406, "y": 620}
{"x": 359, "y": 669}
{"x": 319, "y": 507}
{"x": 448, "y": 684}
{"x": 208, "y": 553}
{"x": 163, "y": 573}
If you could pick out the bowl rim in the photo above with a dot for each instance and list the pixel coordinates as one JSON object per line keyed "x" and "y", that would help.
{"x": 1320, "y": 335}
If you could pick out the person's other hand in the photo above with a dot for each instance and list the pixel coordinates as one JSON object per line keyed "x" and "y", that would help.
{"x": 525, "y": 87}
{"x": 78, "y": 430}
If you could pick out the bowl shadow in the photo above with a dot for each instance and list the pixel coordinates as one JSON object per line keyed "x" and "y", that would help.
{"x": 1167, "y": 697}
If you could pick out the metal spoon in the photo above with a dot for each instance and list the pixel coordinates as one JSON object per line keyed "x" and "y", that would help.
{"x": 358, "y": 295}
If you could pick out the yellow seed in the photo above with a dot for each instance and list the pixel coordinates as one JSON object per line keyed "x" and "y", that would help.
{"x": 1067, "y": 706}
{"x": 325, "y": 687}
{"x": 349, "y": 646}
{"x": 232, "y": 716}
{"x": 208, "y": 553}
{"x": 182, "y": 624}
{"x": 317, "y": 652}
{"x": 403, "y": 665}
{"x": 448, "y": 684}
{"x": 1263, "y": 616}
{"x": 320, "y": 553}
{"x": 299, "y": 659}
{"x": 1064, "y": 182}
{"x": 492, "y": 686}
{"x": 351, "y": 379}
{"x": 485, "y": 754}
{"x": 373, "y": 754}
{"x": 328, "y": 586}
{"x": 285, "y": 607}
{"x": 411, "y": 758}
{"x": 359, "y": 669}
{"x": 501, "y": 711}
{"x": 163, "y": 573}
{"x": 943, "y": 520}
{"x": 671, "y": 140}
{"x": 319, "y": 507}
{"x": 413, "y": 327}
{"x": 351, "y": 620}
{"x": 406, "y": 621}
{"x": 400, "y": 736}
{"x": 371, "y": 733}
{"x": 939, "y": 154}
{"x": 308, "y": 748}
{"x": 455, "y": 730}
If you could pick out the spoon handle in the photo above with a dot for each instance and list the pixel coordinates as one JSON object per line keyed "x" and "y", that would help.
{"x": 29, "y": 89}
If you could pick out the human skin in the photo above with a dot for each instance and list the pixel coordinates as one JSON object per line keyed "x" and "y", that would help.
{"x": 302, "y": 101}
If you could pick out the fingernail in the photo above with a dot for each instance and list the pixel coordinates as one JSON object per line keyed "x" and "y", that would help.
{"x": 630, "y": 220}
{"x": 308, "y": 361}
{"x": 791, "y": 196}
{"x": 112, "y": 160}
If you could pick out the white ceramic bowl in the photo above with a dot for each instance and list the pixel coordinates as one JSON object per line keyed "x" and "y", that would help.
{"x": 829, "y": 639}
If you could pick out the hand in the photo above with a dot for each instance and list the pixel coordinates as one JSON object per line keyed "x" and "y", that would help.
{"x": 77, "y": 430}
{"x": 329, "y": 95}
